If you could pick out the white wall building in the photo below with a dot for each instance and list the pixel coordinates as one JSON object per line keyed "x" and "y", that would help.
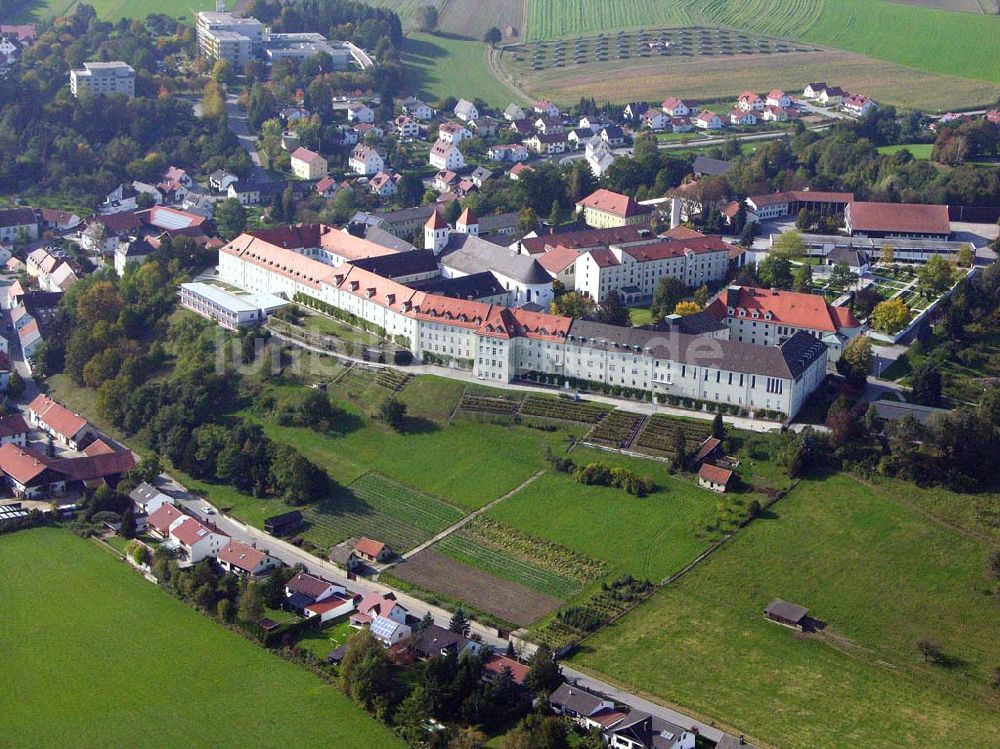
{"x": 103, "y": 78}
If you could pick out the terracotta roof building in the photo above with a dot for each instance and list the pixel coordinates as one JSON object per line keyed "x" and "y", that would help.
{"x": 604, "y": 208}
{"x": 67, "y": 427}
{"x": 898, "y": 220}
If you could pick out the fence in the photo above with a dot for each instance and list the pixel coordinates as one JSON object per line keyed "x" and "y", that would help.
{"x": 974, "y": 214}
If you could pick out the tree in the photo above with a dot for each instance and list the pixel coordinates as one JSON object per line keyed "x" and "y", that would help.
{"x": 775, "y": 271}
{"x": 936, "y": 275}
{"x": 841, "y": 276}
{"x": 493, "y": 36}
{"x": 127, "y": 529}
{"x": 469, "y": 737}
{"x": 802, "y": 279}
{"x": 557, "y": 213}
{"x": 669, "y": 291}
{"x": 891, "y": 316}
{"x": 412, "y": 716}
{"x": 926, "y": 383}
{"x": 701, "y": 296}
{"x": 686, "y": 308}
{"x": 365, "y": 670}
{"x": 251, "y": 604}
{"x": 865, "y": 301}
{"x": 790, "y": 244}
{"x": 538, "y": 731}
{"x": 855, "y": 363}
{"x": 222, "y": 71}
{"x": 427, "y": 18}
{"x": 459, "y": 623}
{"x": 888, "y": 254}
{"x": 527, "y": 221}
{"x": 15, "y": 385}
{"x": 680, "y": 449}
{"x": 572, "y": 304}
{"x": 748, "y": 233}
{"x": 138, "y": 552}
{"x": 393, "y": 412}
{"x": 230, "y": 218}
{"x": 931, "y": 651}
{"x": 426, "y": 621}
{"x": 718, "y": 427}
{"x": 966, "y": 256}
{"x": 544, "y": 673}
{"x": 613, "y": 312}
{"x": 225, "y": 610}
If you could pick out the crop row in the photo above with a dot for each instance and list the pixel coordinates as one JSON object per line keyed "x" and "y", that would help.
{"x": 416, "y": 509}
{"x": 392, "y": 380}
{"x": 616, "y": 430}
{"x": 488, "y": 404}
{"x": 542, "y": 554}
{"x": 329, "y": 528}
{"x": 558, "y": 408}
{"x": 658, "y": 433}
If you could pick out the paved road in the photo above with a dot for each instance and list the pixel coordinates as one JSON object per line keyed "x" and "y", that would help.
{"x": 240, "y": 127}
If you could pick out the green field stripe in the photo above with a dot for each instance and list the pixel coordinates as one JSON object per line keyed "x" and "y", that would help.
{"x": 480, "y": 556}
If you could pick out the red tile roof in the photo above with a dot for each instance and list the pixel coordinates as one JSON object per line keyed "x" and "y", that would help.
{"x": 604, "y": 257}
{"x": 239, "y": 554}
{"x": 321, "y": 607}
{"x": 907, "y": 218}
{"x": 622, "y": 206}
{"x": 497, "y": 663}
{"x": 304, "y": 154}
{"x": 676, "y": 248}
{"x": 21, "y": 465}
{"x": 91, "y": 467}
{"x": 369, "y": 547}
{"x": 98, "y": 447}
{"x": 190, "y": 532}
{"x": 12, "y": 424}
{"x": 436, "y": 221}
{"x": 558, "y": 259}
{"x": 786, "y": 307}
{"x": 791, "y": 196}
{"x": 682, "y": 232}
{"x": 589, "y": 238}
{"x": 716, "y": 475}
{"x": 60, "y": 420}
{"x": 163, "y": 516}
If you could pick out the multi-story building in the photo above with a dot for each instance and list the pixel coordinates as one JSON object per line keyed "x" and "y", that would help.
{"x": 18, "y": 224}
{"x": 103, "y": 78}
{"x": 228, "y": 310}
{"x": 789, "y": 203}
{"x": 898, "y": 220}
{"x": 445, "y": 155}
{"x": 502, "y": 343}
{"x": 225, "y": 36}
{"x": 769, "y": 317}
{"x": 603, "y": 209}
{"x": 366, "y": 161}
{"x": 308, "y": 164}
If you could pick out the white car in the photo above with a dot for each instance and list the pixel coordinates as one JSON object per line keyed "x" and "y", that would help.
{"x": 208, "y": 509}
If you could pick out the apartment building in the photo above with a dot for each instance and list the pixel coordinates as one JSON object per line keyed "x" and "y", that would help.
{"x": 225, "y": 36}
{"x": 96, "y": 78}
{"x": 603, "y": 209}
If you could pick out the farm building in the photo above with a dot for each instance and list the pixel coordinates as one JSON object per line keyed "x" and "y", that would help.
{"x": 283, "y": 524}
{"x": 897, "y": 220}
{"x": 714, "y": 478}
{"x": 372, "y": 551}
{"x": 786, "y": 614}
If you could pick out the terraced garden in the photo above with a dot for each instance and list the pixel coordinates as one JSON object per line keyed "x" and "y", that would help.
{"x": 379, "y": 508}
{"x": 393, "y": 379}
{"x": 617, "y": 430}
{"x": 492, "y": 407}
{"x": 657, "y": 435}
{"x": 562, "y": 409}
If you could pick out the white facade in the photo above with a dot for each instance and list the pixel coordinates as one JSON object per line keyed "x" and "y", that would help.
{"x": 103, "y": 78}
{"x": 366, "y": 161}
{"x": 446, "y": 156}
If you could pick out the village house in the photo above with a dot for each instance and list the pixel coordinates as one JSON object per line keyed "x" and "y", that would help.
{"x": 742, "y": 117}
{"x": 613, "y": 135}
{"x": 444, "y": 155}
{"x": 512, "y": 154}
{"x": 384, "y": 184}
{"x": 417, "y": 109}
{"x": 163, "y": 518}
{"x": 466, "y": 111}
{"x": 359, "y": 112}
{"x": 484, "y": 127}
{"x": 372, "y": 551}
{"x": 831, "y": 95}
{"x": 813, "y": 90}
{"x": 365, "y": 161}
{"x": 452, "y": 132}
{"x": 634, "y": 110}
{"x": 13, "y": 430}
{"x": 681, "y": 125}
{"x": 308, "y": 164}
{"x": 283, "y": 524}
{"x": 237, "y": 558}
{"x": 513, "y": 113}
{"x": 58, "y": 221}
{"x": 778, "y": 114}
{"x": 546, "y": 108}
{"x": 654, "y": 120}
{"x": 675, "y": 107}
{"x": 549, "y": 125}
{"x": 778, "y": 98}
{"x": 604, "y": 208}
{"x": 639, "y": 730}
{"x": 707, "y": 120}
{"x": 434, "y": 641}
{"x": 66, "y": 427}
{"x": 135, "y": 251}
{"x": 546, "y": 144}
{"x": 374, "y": 605}
{"x": 146, "y": 499}
{"x": 748, "y": 101}
{"x": 858, "y": 105}
{"x": 195, "y": 540}
{"x": 28, "y": 474}
{"x": 18, "y": 225}
{"x": 599, "y": 157}
{"x": 330, "y": 608}
{"x": 584, "y": 708}
{"x": 517, "y": 170}
{"x": 407, "y": 127}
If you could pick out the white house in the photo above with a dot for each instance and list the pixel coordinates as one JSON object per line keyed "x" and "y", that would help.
{"x": 513, "y": 153}
{"x": 778, "y": 98}
{"x": 237, "y": 558}
{"x": 359, "y": 112}
{"x": 135, "y": 251}
{"x": 831, "y": 95}
{"x": 313, "y": 587}
{"x": 599, "y": 157}
{"x": 466, "y": 111}
{"x": 389, "y": 631}
{"x": 513, "y": 113}
{"x": 308, "y": 164}
{"x": 546, "y": 108}
{"x": 639, "y": 730}
{"x": 365, "y": 161}
{"x": 445, "y": 155}
{"x": 17, "y": 224}
{"x": 13, "y": 430}
{"x": 775, "y": 114}
{"x": 675, "y": 107}
{"x": 655, "y": 120}
{"x": 859, "y": 105}
{"x": 331, "y": 608}
{"x": 813, "y": 90}
{"x": 452, "y": 132}
{"x": 417, "y": 109}
{"x": 407, "y": 127}
{"x": 742, "y": 117}
{"x": 384, "y": 184}
{"x": 708, "y": 120}
{"x": 750, "y": 102}
{"x": 68, "y": 429}
{"x": 196, "y": 540}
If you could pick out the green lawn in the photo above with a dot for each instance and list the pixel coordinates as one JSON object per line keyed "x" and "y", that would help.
{"x": 878, "y": 574}
{"x": 443, "y": 66}
{"x": 640, "y": 316}
{"x": 98, "y": 657}
{"x": 330, "y": 637}
{"x": 112, "y": 10}
{"x": 918, "y": 150}
{"x": 650, "y": 537}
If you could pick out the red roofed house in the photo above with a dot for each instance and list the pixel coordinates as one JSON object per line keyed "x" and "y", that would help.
{"x": 378, "y": 605}
{"x": 493, "y": 667}
{"x": 675, "y": 107}
{"x": 897, "y": 220}
{"x": 750, "y": 102}
{"x": 769, "y": 317}
{"x": 789, "y": 203}
{"x": 196, "y": 540}
{"x": 29, "y": 474}
{"x": 66, "y": 427}
{"x": 372, "y": 551}
{"x": 331, "y": 607}
{"x": 13, "y": 430}
{"x": 308, "y": 164}
{"x": 603, "y": 209}
{"x": 163, "y": 518}
{"x": 778, "y": 98}
{"x": 714, "y": 478}
{"x": 238, "y": 558}
{"x": 859, "y": 105}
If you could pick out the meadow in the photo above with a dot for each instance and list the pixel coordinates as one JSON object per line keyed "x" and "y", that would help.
{"x": 878, "y": 573}
{"x": 917, "y": 150}
{"x": 112, "y": 10}
{"x": 444, "y": 66}
{"x": 961, "y": 44}
{"x": 110, "y": 660}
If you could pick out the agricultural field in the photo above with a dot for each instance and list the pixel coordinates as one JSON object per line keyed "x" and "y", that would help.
{"x": 917, "y": 150}
{"x": 507, "y": 600}
{"x": 562, "y": 409}
{"x": 617, "y": 430}
{"x": 880, "y": 571}
{"x": 433, "y": 60}
{"x": 112, "y": 10}
{"x": 649, "y": 537}
{"x": 911, "y": 35}
{"x": 378, "y": 507}
{"x": 473, "y": 18}
{"x": 657, "y": 435}
{"x": 723, "y": 77}
{"x": 103, "y": 627}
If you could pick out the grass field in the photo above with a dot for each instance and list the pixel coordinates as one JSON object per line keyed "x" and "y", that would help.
{"x": 110, "y": 660}
{"x": 647, "y": 537}
{"x": 444, "y": 66}
{"x": 879, "y": 574}
{"x": 919, "y": 150}
{"x": 112, "y": 10}
{"x": 724, "y": 77}
{"x": 961, "y": 44}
